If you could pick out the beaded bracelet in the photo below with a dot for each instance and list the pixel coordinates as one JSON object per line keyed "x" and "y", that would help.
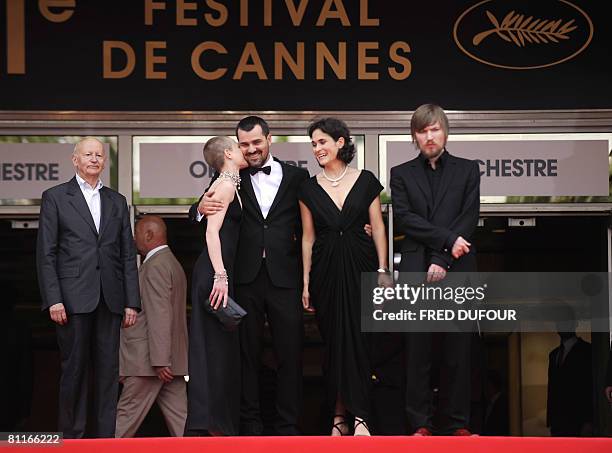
{"x": 221, "y": 276}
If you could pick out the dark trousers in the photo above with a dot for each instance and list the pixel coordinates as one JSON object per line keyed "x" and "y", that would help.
{"x": 283, "y": 309}
{"x": 456, "y": 363}
{"x": 89, "y": 339}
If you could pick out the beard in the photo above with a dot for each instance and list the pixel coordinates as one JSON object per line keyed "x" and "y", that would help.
{"x": 432, "y": 153}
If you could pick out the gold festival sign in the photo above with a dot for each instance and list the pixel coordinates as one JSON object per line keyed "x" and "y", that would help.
{"x": 568, "y": 28}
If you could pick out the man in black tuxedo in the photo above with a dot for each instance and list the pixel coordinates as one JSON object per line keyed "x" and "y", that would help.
{"x": 436, "y": 204}
{"x": 88, "y": 280}
{"x": 268, "y": 275}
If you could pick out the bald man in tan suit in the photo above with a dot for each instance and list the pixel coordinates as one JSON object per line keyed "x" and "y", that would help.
{"x": 153, "y": 354}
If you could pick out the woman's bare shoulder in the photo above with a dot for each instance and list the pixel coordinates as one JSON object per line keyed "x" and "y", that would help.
{"x": 225, "y": 189}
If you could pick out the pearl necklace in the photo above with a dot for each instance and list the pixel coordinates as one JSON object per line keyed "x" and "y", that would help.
{"x": 335, "y": 182}
{"x": 234, "y": 177}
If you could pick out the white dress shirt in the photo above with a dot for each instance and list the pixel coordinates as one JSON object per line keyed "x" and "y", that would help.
{"x": 266, "y": 186}
{"x": 154, "y": 251}
{"x": 92, "y": 198}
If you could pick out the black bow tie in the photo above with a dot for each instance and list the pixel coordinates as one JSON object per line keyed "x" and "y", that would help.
{"x": 267, "y": 169}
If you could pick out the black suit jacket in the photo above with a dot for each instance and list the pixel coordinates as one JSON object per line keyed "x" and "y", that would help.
{"x": 279, "y": 234}
{"x": 570, "y": 390}
{"x": 432, "y": 226}
{"x": 74, "y": 262}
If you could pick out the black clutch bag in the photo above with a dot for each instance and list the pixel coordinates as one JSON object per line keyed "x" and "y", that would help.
{"x": 230, "y": 316}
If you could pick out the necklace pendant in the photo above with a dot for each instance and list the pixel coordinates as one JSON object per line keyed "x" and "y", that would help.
{"x": 335, "y": 184}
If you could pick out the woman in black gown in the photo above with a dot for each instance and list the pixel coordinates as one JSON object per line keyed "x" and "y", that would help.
{"x": 335, "y": 205}
{"x": 214, "y": 353}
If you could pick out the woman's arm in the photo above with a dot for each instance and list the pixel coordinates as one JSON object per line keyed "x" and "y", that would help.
{"x": 308, "y": 238}
{"x": 225, "y": 191}
{"x": 378, "y": 233}
{"x": 380, "y": 242}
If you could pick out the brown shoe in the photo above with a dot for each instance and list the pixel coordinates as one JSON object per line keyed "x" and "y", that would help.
{"x": 422, "y": 431}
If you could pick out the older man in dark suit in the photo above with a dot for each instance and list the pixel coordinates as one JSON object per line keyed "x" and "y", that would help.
{"x": 436, "y": 204}
{"x": 86, "y": 263}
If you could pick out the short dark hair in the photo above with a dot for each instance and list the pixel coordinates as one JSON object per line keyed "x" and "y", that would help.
{"x": 426, "y": 115}
{"x": 335, "y": 128}
{"x": 248, "y": 123}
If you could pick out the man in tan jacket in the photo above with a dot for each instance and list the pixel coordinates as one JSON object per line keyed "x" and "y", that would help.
{"x": 153, "y": 354}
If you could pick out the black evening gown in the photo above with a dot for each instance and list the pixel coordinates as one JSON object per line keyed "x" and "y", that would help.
{"x": 213, "y": 389}
{"x": 341, "y": 252}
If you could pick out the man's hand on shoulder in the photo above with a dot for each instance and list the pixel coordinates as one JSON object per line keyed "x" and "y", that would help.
{"x": 209, "y": 204}
{"x": 58, "y": 314}
{"x": 460, "y": 247}
{"x": 129, "y": 318}
{"x": 435, "y": 273}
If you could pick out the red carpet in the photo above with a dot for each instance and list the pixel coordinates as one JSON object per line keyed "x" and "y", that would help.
{"x": 331, "y": 445}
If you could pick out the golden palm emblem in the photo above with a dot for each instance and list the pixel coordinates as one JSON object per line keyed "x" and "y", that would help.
{"x": 518, "y": 29}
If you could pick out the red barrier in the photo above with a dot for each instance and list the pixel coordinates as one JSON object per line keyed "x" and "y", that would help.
{"x": 377, "y": 444}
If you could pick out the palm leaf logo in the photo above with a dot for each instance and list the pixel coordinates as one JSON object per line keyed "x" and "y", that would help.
{"x": 518, "y": 29}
